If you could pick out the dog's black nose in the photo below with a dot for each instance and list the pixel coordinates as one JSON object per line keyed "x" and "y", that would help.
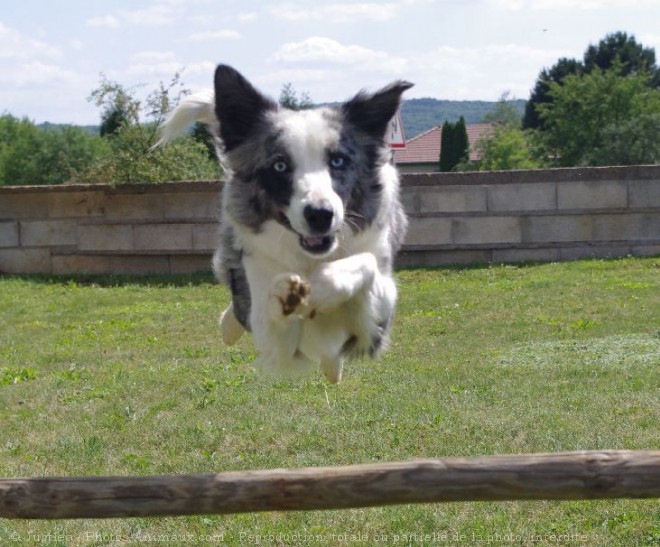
{"x": 319, "y": 219}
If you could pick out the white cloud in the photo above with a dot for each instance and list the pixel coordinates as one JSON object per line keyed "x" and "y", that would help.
{"x": 203, "y": 70}
{"x": 248, "y": 17}
{"x": 518, "y": 5}
{"x": 206, "y": 68}
{"x": 305, "y": 80}
{"x": 215, "y": 35}
{"x": 318, "y": 49}
{"x": 156, "y": 15}
{"x": 152, "y": 70}
{"x": 153, "y": 16}
{"x": 188, "y": 3}
{"x": 480, "y": 73}
{"x": 330, "y": 71}
{"x": 37, "y": 73}
{"x": 106, "y": 21}
{"x": 328, "y": 84}
{"x": 45, "y": 92}
{"x": 14, "y": 45}
{"x": 33, "y": 78}
{"x": 337, "y": 13}
{"x": 650, "y": 40}
{"x": 153, "y": 56}
{"x": 150, "y": 67}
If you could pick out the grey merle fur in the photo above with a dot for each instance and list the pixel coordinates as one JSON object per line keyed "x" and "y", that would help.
{"x": 254, "y": 193}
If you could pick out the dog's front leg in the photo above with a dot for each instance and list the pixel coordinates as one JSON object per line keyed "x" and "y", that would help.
{"x": 279, "y": 325}
{"x": 335, "y": 283}
{"x": 288, "y": 297}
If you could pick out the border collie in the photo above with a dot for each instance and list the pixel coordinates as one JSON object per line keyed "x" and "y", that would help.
{"x": 311, "y": 221}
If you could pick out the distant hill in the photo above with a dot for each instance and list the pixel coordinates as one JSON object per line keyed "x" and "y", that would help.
{"x": 419, "y": 115}
{"x": 91, "y": 129}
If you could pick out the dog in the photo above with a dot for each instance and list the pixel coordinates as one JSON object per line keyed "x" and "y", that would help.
{"x": 311, "y": 221}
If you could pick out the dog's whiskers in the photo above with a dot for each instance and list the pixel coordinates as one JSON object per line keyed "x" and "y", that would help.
{"x": 353, "y": 220}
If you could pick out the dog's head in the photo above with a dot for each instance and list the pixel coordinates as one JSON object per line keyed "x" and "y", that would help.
{"x": 314, "y": 171}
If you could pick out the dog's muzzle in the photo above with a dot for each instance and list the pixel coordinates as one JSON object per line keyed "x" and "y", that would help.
{"x": 319, "y": 221}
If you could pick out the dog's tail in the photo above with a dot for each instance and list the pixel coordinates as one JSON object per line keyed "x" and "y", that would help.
{"x": 199, "y": 107}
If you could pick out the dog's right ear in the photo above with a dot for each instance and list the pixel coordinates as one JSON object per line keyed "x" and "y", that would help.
{"x": 238, "y": 106}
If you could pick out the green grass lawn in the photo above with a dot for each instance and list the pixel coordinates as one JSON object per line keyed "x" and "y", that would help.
{"x": 106, "y": 376}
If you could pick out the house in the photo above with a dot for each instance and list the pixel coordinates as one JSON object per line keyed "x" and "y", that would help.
{"x": 422, "y": 152}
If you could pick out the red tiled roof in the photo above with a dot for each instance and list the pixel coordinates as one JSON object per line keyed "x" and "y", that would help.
{"x": 425, "y": 147}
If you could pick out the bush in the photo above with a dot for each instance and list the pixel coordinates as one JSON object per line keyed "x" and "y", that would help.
{"x": 123, "y": 154}
{"x": 133, "y": 160}
{"x": 30, "y": 155}
{"x": 507, "y": 148}
{"x": 131, "y": 131}
{"x": 634, "y": 142}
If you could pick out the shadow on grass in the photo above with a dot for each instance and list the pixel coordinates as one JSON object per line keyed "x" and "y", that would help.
{"x": 205, "y": 278}
{"x": 583, "y": 262}
{"x": 174, "y": 280}
{"x": 96, "y": 280}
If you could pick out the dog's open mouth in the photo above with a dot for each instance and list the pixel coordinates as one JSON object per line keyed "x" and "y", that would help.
{"x": 317, "y": 244}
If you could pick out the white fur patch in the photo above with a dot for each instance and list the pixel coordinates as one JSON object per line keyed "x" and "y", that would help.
{"x": 308, "y": 137}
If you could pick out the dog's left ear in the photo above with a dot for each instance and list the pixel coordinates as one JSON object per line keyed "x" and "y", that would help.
{"x": 371, "y": 113}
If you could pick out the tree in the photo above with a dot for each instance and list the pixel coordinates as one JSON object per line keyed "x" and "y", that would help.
{"x": 634, "y": 142}
{"x": 461, "y": 142}
{"x": 446, "y": 139}
{"x": 624, "y": 49}
{"x": 18, "y": 140}
{"x": 504, "y": 113}
{"x": 120, "y": 108}
{"x": 454, "y": 144}
{"x": 289, "y": 98}
{"x": 112, "y": 121}
{"x": 618, "y": 47}
{"x": 587, "y": 111}
{"x": 541, "y": 92}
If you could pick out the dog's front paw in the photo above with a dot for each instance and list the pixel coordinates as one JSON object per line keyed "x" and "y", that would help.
{"x": 289, "y": 296}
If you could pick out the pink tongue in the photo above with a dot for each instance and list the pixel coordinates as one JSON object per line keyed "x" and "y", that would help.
{"x": 313, "y": 241}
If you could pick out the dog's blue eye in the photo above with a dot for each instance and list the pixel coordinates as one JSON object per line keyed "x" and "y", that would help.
{"x": 280, "y": 167}
{"x": 338, "y": 162}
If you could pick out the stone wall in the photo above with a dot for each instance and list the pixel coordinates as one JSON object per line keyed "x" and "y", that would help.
{"x": 540, "y": 215}
{"x": 456, "y": 218}
{"x": 133, "y": 229}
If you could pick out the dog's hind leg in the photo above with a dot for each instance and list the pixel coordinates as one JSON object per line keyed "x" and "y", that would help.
{"x": 332, "y": 369}
{"x": 231, "y": 329}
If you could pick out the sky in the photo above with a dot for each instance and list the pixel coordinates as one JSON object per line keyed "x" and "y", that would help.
{"x": 52, "y": 54}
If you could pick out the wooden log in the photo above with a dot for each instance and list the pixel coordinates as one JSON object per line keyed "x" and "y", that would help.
{"x": 562, "y": 476}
